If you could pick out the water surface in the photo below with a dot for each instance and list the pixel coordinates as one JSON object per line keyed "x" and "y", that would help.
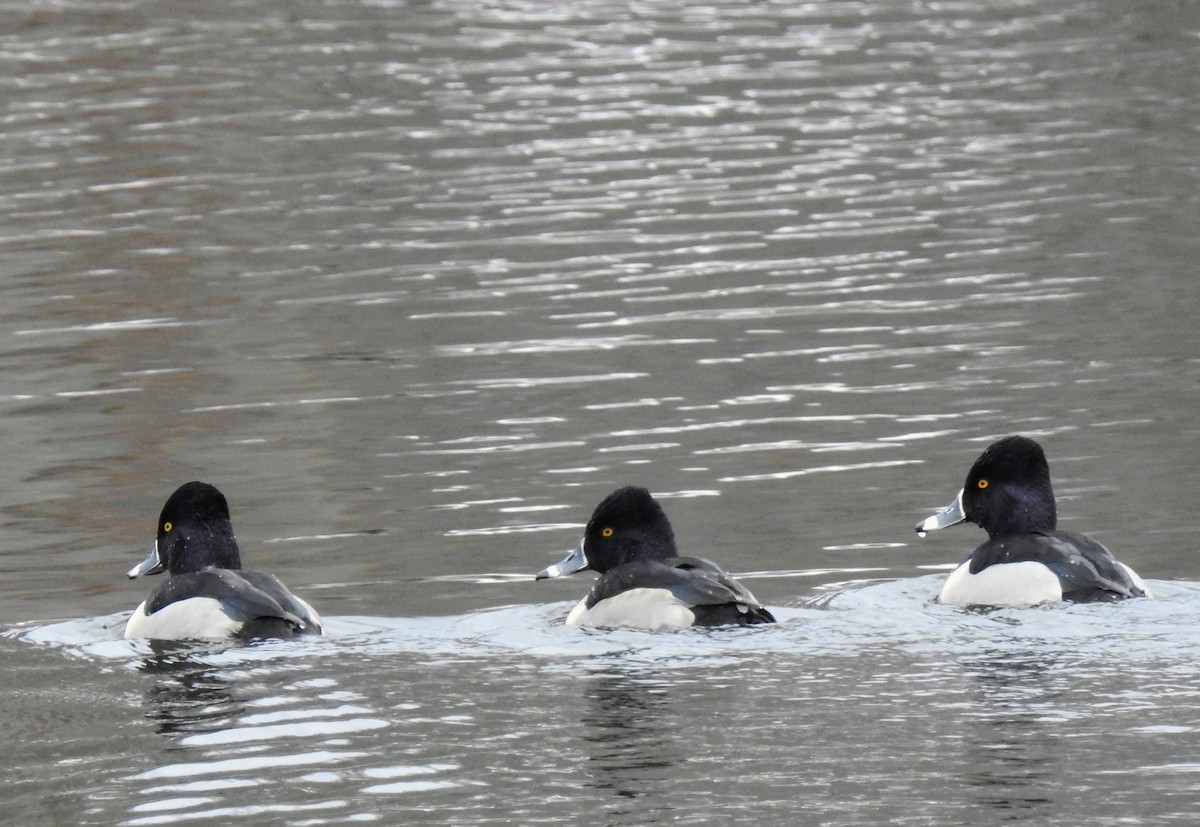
{"x": 417, "y": 284}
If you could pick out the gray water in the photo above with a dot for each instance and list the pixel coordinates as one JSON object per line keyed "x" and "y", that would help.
{"x": 417, "y": 284}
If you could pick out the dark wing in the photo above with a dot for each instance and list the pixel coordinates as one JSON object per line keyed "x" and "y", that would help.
{"x": 1087, "y": 570}
{"x": 715, "y": 596}
{"x": 272, "y": 586}
{"x": 260, "y": 600}
{"x": 1110, "y": 576}
{"x": 732, "y": 602}
{"x": 718, "y": 583}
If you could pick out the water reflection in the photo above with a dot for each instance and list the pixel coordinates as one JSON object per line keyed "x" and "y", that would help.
{"x": 245, "y": 718}
{"x": 1013, "y": 753}
{"x": 630, "y": 743}
{"x": 188, "y": 695}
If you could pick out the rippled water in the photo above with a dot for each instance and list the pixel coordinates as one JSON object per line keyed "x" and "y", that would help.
{"x": 416, "y": 284}
{"x": 865, "y": 706}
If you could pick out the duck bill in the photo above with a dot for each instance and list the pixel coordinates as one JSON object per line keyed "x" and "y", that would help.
{"x": 948, "y": 516}
{"x": 573, "y": 562}
{"x": 151, "y": 565}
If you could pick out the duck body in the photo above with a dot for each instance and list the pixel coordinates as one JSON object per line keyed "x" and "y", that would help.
{"x": 1041, "y": 567}
{"x": 675, "y": 593}
{"x": 208, "y": 595}
{"x": 1026, "y": 560}
{"x": 643, "y": 581}
{"x": 216, "y": 604}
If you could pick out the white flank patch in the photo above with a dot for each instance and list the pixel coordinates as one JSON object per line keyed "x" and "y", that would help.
{"x": 652, "y": 609}
{"x": 1005, "y": 584}
{"x": 197, "y": 618}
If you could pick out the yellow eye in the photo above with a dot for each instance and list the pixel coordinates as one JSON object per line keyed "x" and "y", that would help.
{"x": 982, "y": 484}
{"x": 167, "y": 527}
{"x": 606, "y": 532}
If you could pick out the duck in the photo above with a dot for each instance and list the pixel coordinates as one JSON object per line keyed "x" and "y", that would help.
{"x": 1025, "y": 560}
{"x": 643, "y": 582}
{"x": 209, "y": 596}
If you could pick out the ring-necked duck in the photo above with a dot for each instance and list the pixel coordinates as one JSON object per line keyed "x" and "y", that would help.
{"x": 209, "y": 595}
{"x": 644, "y": 583}
{"x": 1025, "y": 560}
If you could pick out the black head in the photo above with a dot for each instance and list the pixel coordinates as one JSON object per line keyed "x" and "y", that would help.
{"x": 1008, "y": 489}
{"x": 194, "y": 533}
{"x": 628, "y": 525}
